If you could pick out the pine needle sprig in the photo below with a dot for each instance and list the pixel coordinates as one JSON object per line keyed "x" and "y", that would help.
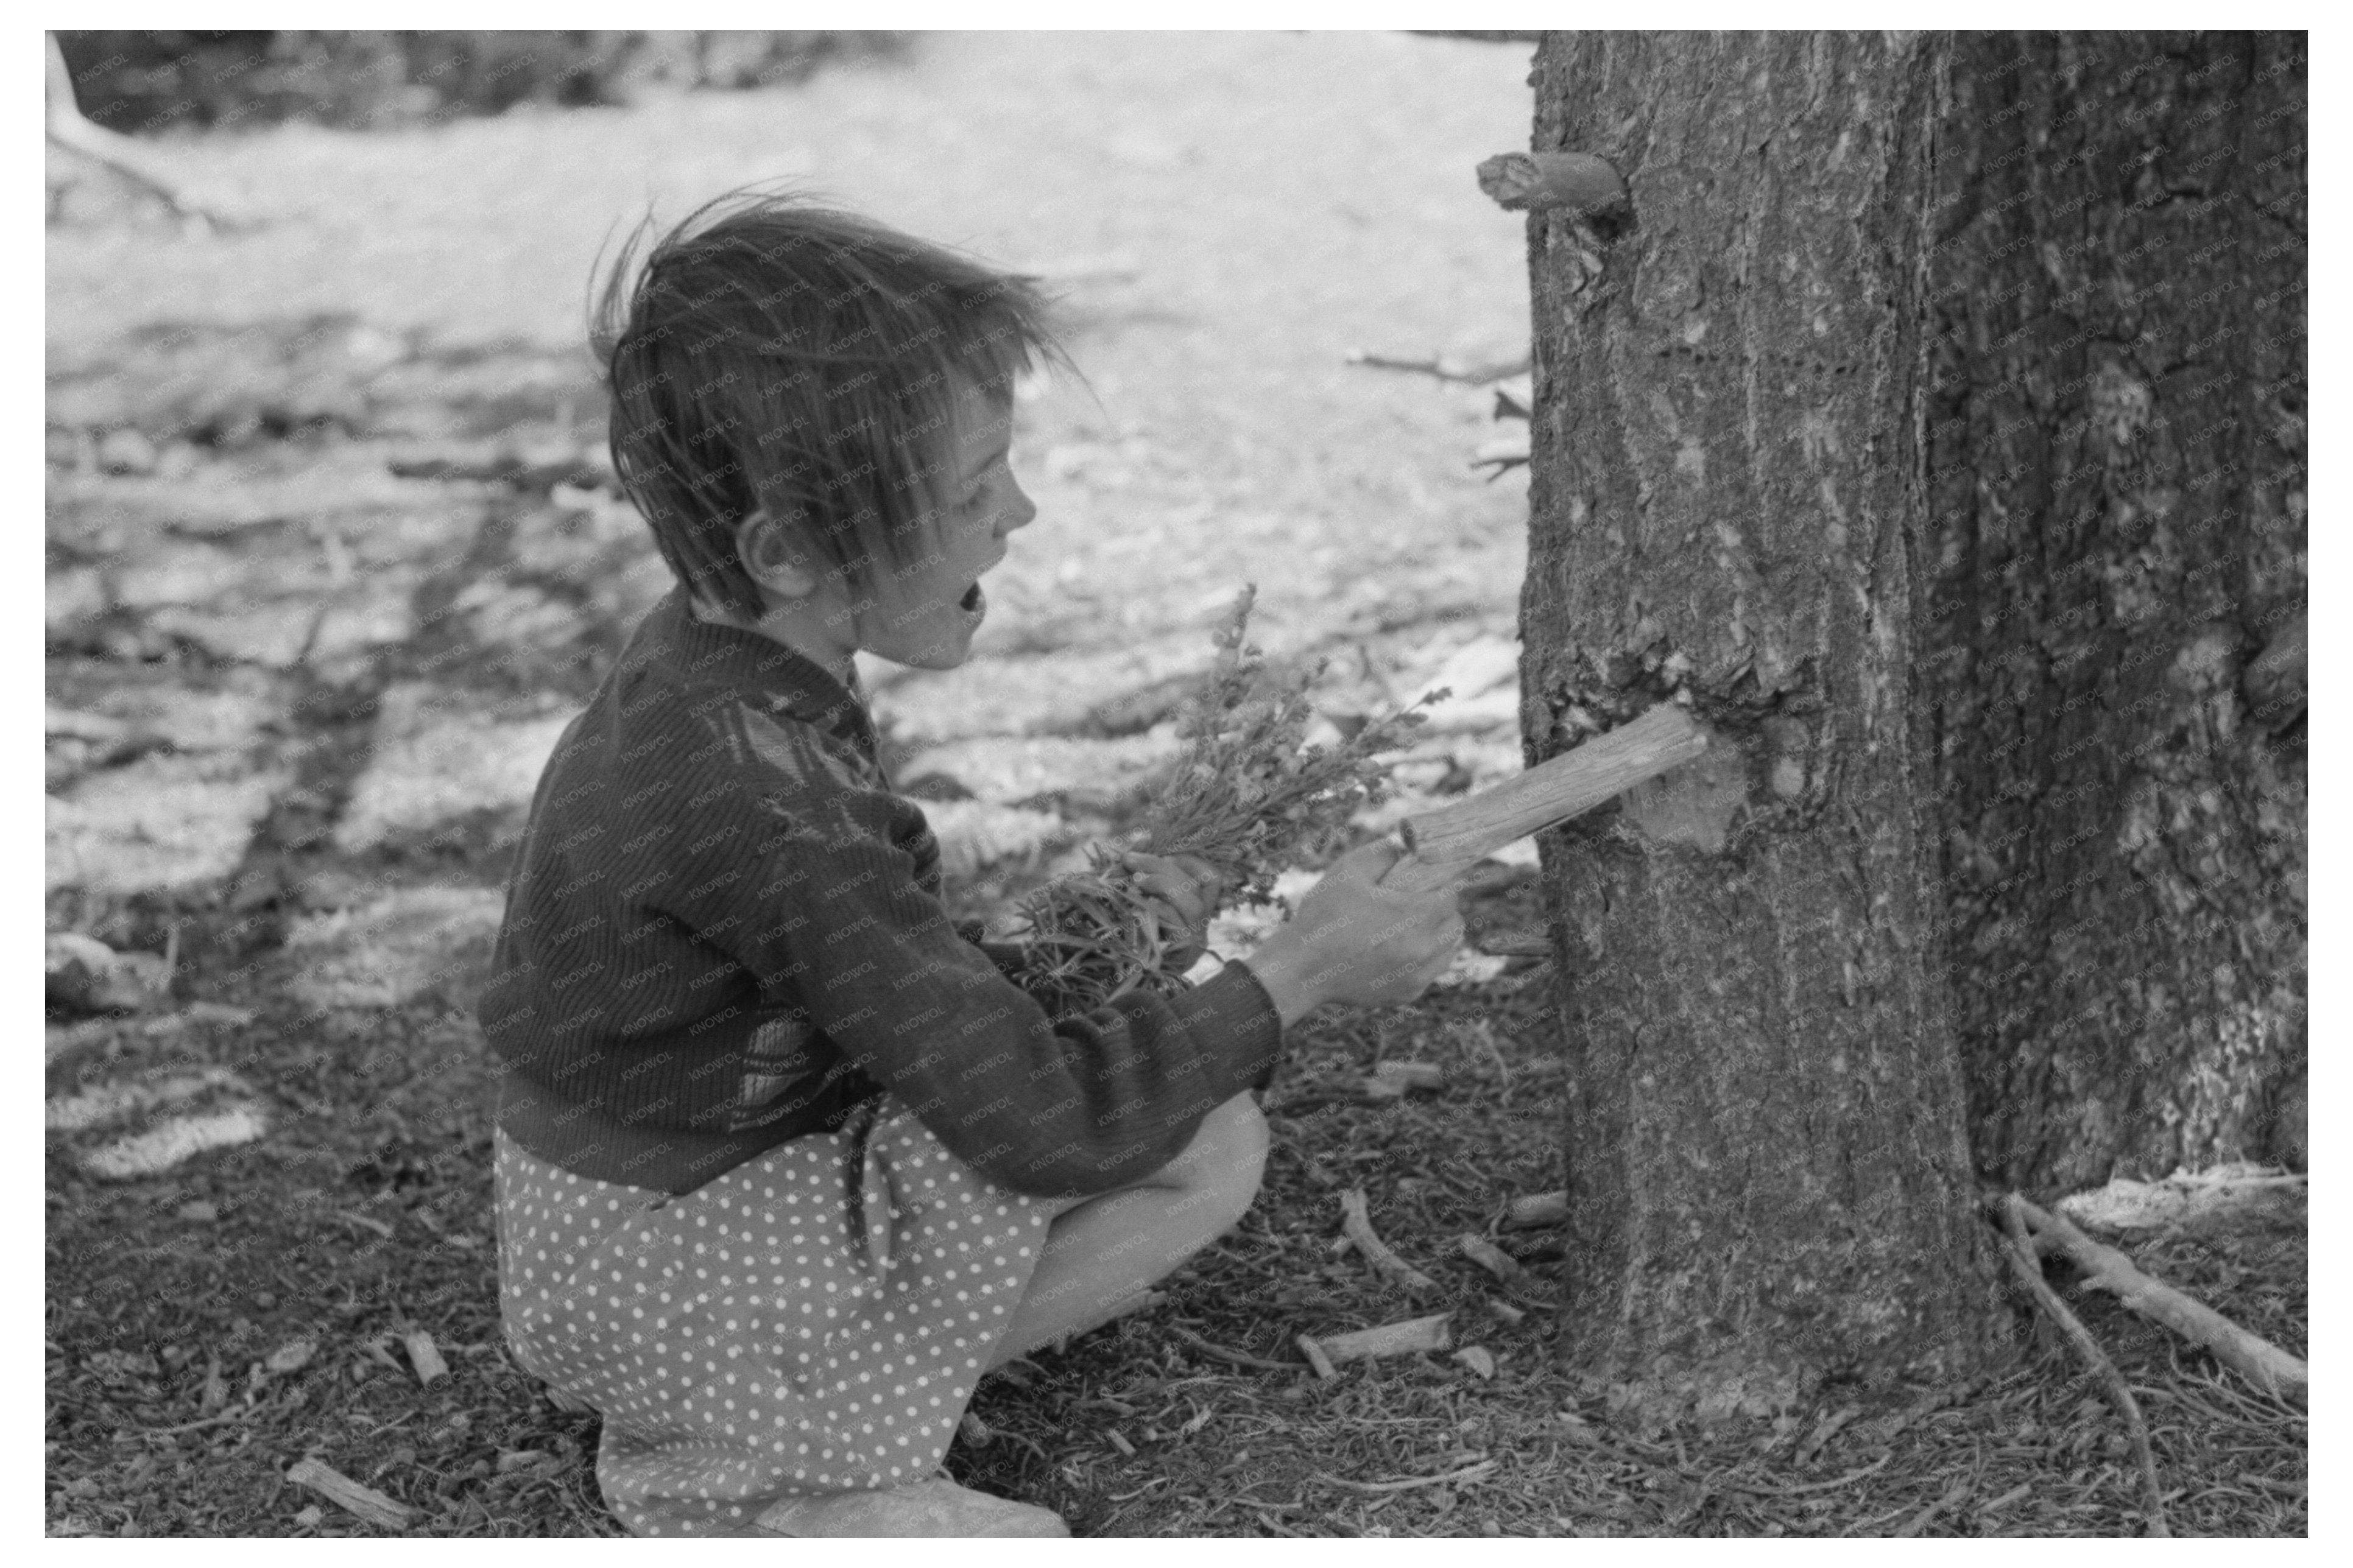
{"x": 1247, "y": 795}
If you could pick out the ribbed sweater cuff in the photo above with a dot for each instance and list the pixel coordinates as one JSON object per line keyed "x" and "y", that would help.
{"x": 1232, "y": 1006}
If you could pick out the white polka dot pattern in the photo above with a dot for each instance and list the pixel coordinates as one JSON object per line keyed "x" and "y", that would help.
{"x": 812, "y": 1321}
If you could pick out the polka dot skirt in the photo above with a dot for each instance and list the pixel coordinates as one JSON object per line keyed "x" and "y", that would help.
{"x": 812, "y": 1321}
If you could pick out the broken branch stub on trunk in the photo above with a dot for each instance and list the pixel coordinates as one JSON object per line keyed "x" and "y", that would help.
{"x": 1443, "y": 844}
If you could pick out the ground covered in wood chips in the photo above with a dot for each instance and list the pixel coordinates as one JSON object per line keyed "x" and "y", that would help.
{"x": 331, "y": 559}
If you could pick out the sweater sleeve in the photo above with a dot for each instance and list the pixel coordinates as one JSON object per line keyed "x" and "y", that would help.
{"x": 852, "y": 944}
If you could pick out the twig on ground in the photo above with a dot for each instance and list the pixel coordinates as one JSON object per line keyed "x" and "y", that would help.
{"x": 2250, "y": 1355}
{"x": 1313, "y": 1351}
{"x": 1835, "y": 1482}
{"x": 1468, "y": 1473}
{"x": 1823, "y": 1432}
{"x": 1357, "y": 1223}
{"x": 346, "y": 1493}
{"x": 2029, "y": 1272}
{"x": 1234, "y": 1358}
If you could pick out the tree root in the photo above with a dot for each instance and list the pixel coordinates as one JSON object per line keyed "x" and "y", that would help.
{"x": 2029, "y": 1272}
{"x": 2252, "y": 1356}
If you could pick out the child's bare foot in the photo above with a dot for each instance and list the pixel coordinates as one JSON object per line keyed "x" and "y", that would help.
{"x": 934, "y": 1508}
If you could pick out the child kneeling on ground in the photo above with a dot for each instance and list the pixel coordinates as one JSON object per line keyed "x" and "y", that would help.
{"x": 785, "y": 1162}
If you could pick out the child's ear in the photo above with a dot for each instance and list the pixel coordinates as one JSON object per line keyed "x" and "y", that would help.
{"x": 767, "y": 554}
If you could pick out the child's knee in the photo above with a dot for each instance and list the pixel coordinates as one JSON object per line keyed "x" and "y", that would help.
{"x": 1228, "y": 1154}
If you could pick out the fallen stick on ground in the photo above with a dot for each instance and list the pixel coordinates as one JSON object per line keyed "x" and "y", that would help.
{"x": 1479, "y": 1471}
{"x": 1835, "y": 1482}
{"x": 2029, "y": 1271}
{"x": 346, "y": 1493}
{"x": 1390, "y": 1339}
{"x": 1358, "y": 1225}
{"x": 2258, "y": 1360}
{"x": 1231, "y": 1357}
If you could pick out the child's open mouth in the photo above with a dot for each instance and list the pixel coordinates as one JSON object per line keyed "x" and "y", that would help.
{"x": 974, "y": 602}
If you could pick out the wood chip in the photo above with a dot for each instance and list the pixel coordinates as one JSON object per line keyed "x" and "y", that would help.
{"x": 1394, "y": 1080}
{"x": 291, "y": 1356}
{"x": 1356, "y": 1223}
{"x": 1539, "y": 1208}
{"x": 1492, "y": 1259}
{"x": 973, "y": 1430}
{"x": 348, "y": 1494}
{"x": 1478, "y": 1359}
{"x": 1507, "y": 1311}
{"x": 1122, "y": 1444}
{"x": 1313, "y": 1350}
{"x": 422, "y": 1356}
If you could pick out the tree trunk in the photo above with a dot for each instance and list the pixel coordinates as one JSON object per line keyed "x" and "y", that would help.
{"x": 1768, "y": 1178}
{"x": 2116, "y": 445}
{"x": 1935, "y": 424}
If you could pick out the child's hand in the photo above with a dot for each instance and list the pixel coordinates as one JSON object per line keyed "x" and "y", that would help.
{"x": 1186, "y": 889}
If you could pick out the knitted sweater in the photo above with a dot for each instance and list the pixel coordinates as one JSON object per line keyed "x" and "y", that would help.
{"x": 723, "y": 930}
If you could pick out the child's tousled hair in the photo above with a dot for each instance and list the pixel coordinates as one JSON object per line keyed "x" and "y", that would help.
{"x": 773, "y": 353}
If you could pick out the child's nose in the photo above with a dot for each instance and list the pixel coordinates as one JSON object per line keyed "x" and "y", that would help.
{"x": 1019, "y": 514}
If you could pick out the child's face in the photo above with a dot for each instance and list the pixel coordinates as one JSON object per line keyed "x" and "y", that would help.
{"x": 925, "y": 616}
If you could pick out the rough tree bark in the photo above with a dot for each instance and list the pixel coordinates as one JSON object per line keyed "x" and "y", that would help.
{"x": 2117, "y": 451}
{"x": 1768, "y": 1179}
{"x": 1934, "y": 427}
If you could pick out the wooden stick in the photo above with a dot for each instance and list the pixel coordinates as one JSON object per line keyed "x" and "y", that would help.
{"x": 1313, "y": 1351}
{"x": 1356, "y": 1224}
{"x": 2023, "y": 1264}
{"x": 2252, "y": 1356}
{"x": 1231, "y": 1357}
{"x": 1479, "y": 1471}
{"x": 344, "y": 1492}
{"x": 1389, "y": 1339}
{"x": 1442, "y": 845}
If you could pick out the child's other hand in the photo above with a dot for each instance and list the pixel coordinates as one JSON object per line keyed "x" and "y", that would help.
{"x": 1187, "y": 890}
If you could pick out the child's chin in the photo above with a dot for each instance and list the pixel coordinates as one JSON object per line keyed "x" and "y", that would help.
{"x": 934, "y": 656}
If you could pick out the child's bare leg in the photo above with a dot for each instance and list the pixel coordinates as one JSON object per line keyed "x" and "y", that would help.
{"x": 1105, "y": 1250}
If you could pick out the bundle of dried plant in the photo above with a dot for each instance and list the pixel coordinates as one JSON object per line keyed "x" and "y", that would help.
{"x": 1248, "y": 795}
